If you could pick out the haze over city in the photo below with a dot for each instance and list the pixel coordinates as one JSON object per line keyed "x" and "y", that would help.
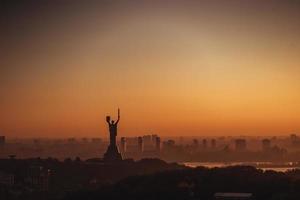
{"x": 150, "y": 100}
{"x": 175, "y": 68}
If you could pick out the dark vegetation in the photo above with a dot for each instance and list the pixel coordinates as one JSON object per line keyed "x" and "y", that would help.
{"x": 200, "y": 183}
{"x": 145, "y": 179}
{"x": 71, "y": 175}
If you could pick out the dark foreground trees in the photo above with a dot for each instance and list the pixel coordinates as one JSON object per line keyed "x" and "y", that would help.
{"x": 201, "y": 183}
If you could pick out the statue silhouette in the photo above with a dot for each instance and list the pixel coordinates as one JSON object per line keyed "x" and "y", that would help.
{"x": 112, "y": 153}
{"x": 113, "y": 128}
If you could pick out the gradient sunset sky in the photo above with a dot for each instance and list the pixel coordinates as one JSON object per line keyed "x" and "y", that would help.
{"x": 189, "y": 68}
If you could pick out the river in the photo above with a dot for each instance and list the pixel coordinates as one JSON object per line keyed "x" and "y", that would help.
{"x": 260, "y": 165}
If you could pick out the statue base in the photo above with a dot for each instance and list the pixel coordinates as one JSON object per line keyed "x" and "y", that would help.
{"x": 112, "y": 154}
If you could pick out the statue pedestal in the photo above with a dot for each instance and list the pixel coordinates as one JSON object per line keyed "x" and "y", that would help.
{"x": 112, "y": 154}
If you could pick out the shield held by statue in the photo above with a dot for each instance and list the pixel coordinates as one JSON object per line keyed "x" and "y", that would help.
{"x": 108, "y": 118}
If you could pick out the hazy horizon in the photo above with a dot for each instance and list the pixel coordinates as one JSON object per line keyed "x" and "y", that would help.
{"x": 105, "y": 136}
{"x": 173, "y": 67}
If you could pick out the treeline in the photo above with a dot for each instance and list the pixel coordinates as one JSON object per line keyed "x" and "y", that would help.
{"x": 68, "y": 175}
{"x": 200, "y": 183}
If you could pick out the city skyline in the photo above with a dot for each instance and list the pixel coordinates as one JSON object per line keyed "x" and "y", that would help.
{"x": 193, "y": 68}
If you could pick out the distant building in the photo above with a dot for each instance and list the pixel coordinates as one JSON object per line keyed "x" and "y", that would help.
{"x": 7, "y": 179}
{"x": 295, "y": 140}
{"x": 157, "y": 144}
{"x": 195, "y": 143}
{"x": 146, "y": 146}
{"x": 204, "y": 143}
{"x": 123, "y": 144}
{"x": 36, "y": 141}
{"x": 293, "y": 137}
{"x": 266, "y": 144}
{"x": 213, "y": 144}
{"x": 38, "y": 178}
{"x": 84, "y": 140}
{"x": 240, "y": 145}
{"x": 153, "y": 137}
{"x": 140, "y": 144}
{"x": 168, "y": 144}
{"x": 131, "y": 144}
{"x": 71, "y": 140}
{"x": 149, "y": 143}
{"x": 147, "y": 138}
{"x": 96, "y": 140}
{"x": 2, "y": 140}
{"x": 181, "y": 140}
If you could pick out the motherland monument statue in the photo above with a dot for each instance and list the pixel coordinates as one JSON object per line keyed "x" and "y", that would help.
{"x": 112, "y": 152}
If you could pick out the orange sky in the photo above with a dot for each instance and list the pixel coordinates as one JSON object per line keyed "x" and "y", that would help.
{"x": 193, "y": 68}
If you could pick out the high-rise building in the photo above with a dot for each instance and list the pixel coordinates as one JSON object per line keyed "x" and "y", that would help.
{"x": 295, "y": 140}
{"x": 240, "y": 145}
{"x": 213, "y": 143}
{"x": 168, "y": 144}
{"x": 157, "y": 144}
{"x": 147, "y": 138}
{"x": 195, "y": 143}
{"x": 140, "y": 144}
{"x": 2, "y": 140}
{"x": 123, "y": 144}
{"x": 266, "y": 144}
{"x": 71, "y": 141}
{"x": 204, "y": 143}
{"x": 154, "y": 136}
{"x": 84, "y": 140}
